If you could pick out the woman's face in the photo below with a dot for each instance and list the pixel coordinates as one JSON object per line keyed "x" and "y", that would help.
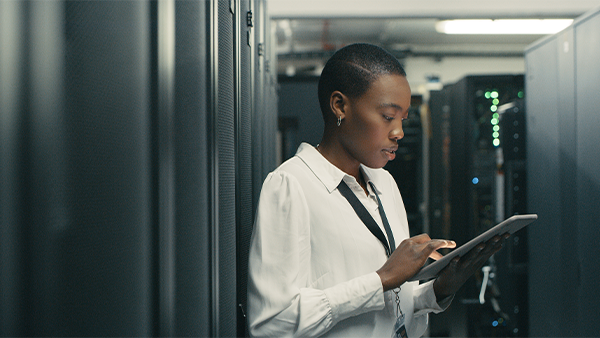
{"x": 372, "y": 125}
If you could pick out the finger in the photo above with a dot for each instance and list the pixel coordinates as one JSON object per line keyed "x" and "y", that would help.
{"x": 495, "y": 240}
{"x": 498, "y": 245}
{"x": 436, "y": 244}
{"x": 484, "y": 250}
{"x": 474, "y": 256}
{"x": 454, "y": 264}
{"x": 442, "y": 244}
{"x": 480, "y": 254}
{"x": 495, "y": 244}
{"x": 435, "y": 255}
{"x": 420, "y": 239}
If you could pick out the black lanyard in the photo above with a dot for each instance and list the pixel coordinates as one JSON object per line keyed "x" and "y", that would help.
{"x": 367, "y": 219}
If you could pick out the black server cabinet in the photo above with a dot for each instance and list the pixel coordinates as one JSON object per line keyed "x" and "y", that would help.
{"x": 222, "y": 122}
{"x": 264, "y": 118}
{"x": 75, "y": 154}
{"x": 544, "y": 189}
{"x": 439, "y": 168}
{"x": 587, "y": 49}
{"x": 510, "y": 285}
{"x": 464, "y": 145}
{"x": 474, "y": 101}
{"x": 407, "y": 167}
{"x": 126, "y": 163}
{"x": 241, "y": 94}
{"x": 192, "y": 308}
{"x": 215, "y": 53}
{"x": 244, "y": 22}
{"x": 562, "y": 168}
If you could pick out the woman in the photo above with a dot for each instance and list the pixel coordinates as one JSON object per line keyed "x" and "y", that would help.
{"x": 320, "y": 264}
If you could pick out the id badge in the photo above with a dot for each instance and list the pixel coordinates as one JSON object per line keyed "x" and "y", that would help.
{"x": 399, "y": 328}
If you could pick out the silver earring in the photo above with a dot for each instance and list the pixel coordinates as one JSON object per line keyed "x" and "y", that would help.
{"x": 339, "y": 122}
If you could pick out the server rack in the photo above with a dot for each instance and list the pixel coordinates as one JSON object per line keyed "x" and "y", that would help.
{"x": 439, "y": 168}
{"x": 562, "y": 178}
{"x": 472, "y": 148}
{"x": 407, "y": 167}
{"x": 127, "y": 145}
{"x": 466, "y": 121}
{"x": 192, "y": 253}
{"x": 75, "y": 169}
{"x": 511, "y": 263}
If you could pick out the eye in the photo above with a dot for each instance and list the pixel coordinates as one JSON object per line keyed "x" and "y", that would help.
{"x": 388, "y": 118}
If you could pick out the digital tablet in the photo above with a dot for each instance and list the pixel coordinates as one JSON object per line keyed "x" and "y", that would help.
{"x": 510, "y": 225}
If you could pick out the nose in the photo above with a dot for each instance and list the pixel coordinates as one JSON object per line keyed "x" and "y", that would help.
{"x": 397, "y": 133}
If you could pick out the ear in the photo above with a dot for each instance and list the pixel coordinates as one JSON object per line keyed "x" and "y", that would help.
{"x": 338, "y": 103}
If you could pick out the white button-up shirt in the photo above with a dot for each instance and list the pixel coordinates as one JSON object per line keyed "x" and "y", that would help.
{"x": 312, "y": 260}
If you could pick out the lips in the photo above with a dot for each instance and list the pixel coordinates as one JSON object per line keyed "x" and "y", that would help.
{"x": 390, "y": 153}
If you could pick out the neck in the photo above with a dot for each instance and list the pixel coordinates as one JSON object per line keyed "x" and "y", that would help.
{"x": 338, "y": 156}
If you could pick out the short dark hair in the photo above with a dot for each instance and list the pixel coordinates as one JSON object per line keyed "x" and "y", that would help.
{"x": 352, "y": 70}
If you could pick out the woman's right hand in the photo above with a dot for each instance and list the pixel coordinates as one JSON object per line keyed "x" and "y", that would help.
{"x": 408, "y": 258}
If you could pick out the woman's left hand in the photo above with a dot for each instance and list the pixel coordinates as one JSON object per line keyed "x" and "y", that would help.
{"x": 461, "y": 268}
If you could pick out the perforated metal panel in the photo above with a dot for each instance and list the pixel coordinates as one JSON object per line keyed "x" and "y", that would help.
{"x": 192, "y": 235}
{"x": 81, "y": 225}
{"x": 226, "y": 172}
{"x": 104, "y": 255}
{"x": 92, "y": 137}
{"x": 244, "y": 161}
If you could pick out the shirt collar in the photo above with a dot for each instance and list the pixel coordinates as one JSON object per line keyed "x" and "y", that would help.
{"x": 329, "y": 174}
{"x": 370, "y": 178}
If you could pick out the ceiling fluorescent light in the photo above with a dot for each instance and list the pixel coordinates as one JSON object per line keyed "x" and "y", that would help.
{"x": 503, "y": 26}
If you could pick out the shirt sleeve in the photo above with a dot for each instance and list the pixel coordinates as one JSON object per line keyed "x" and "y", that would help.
{"x": 425, "y": 300}
{"x": 280, "y": 301}
{"x": 425, "y": 303}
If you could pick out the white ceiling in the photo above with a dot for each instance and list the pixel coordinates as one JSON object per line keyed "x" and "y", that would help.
{"x": 428, "y": 8}
{"x": 308, "y": 30}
